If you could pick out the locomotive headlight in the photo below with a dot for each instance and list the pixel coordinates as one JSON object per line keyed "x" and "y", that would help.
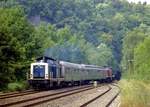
{"x": 31, "y": 76}
{"x": 46, "y": 77}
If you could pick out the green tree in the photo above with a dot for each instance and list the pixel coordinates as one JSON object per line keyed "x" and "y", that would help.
{"x": 15, "y": 38}
{"x": 130, "y": 42}
{"x": 44, "y": 36}
{"x": 142, "y": 60}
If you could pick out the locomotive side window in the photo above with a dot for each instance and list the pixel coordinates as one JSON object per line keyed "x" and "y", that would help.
{"x": 50, "y": 72}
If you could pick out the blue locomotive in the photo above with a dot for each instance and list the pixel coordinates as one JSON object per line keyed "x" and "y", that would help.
{"x": 47, "y": 72}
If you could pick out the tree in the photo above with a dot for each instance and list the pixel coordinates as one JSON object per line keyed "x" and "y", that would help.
{"x": 15, "y": 38}
{"x": 106, "y": 39}
{"x": 142, "y": 60}
{"x": 131, "y": 40}
{"x": 44, "y": 37}
{"x": 101, "y": 55}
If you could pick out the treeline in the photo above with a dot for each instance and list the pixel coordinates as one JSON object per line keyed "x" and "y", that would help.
{"x": 100, "y": 21}
{"x": 97, "y": 21}
{"x": 80, "y": 31}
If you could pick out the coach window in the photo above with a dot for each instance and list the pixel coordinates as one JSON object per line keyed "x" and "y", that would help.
{"x": 49, "y": 72}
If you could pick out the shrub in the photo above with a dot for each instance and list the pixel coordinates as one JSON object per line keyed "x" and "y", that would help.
{"x": 17, "y": 86}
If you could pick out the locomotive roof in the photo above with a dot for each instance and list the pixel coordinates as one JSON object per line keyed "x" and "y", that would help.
{"x": 45, "y": 58}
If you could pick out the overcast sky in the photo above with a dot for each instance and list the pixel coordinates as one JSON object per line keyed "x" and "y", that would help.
{"x": 136, "y": 1}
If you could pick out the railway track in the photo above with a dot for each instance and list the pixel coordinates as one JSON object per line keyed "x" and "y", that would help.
{"x": 90, "y": 101}
{"x": 45, "y": 98}
{"x": 15, "y": 94}
{"x": 109, "y": 101}
{"x": 114, "y": 97}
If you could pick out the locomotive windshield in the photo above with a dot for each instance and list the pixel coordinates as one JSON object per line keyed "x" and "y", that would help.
{"x": 38, "y": 71}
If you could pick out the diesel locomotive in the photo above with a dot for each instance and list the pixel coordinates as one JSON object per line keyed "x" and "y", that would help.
{"x": 47, "y": 72}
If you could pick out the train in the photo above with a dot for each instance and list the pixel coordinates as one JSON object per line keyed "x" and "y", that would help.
{"x": 47, "y": 72}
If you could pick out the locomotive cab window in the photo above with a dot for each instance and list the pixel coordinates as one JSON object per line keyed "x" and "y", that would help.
{"x": 39, "y": 71}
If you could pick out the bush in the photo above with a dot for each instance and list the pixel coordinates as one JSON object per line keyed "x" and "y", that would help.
{"x": 17, "y": 86}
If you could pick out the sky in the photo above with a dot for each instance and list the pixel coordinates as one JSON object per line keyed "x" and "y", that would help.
{"x": 136, "y": 1}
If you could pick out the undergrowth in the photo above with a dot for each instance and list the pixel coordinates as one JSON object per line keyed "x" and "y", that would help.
{"x": 135, "y": 93}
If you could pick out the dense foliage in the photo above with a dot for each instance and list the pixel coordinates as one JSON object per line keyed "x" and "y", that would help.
{"x": 136, "y": 53}
{"x": 99, "y": 21}
{"x": 80, "y": 31}
{"x": 15, "y": 43}
{"x": 142, "y": 60}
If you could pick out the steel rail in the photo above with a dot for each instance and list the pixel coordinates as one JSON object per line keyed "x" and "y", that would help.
{"x": 116, "y": 95}
{"x": 17, "y": 94}
{"x": 109, "y": 103}
{"x": 40, "y": 97}
{"x": 90, "y": 101}
{"x": 61, "y": 96}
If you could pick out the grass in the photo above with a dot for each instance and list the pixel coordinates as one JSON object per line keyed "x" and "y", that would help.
{"x": 134, "y": 93}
